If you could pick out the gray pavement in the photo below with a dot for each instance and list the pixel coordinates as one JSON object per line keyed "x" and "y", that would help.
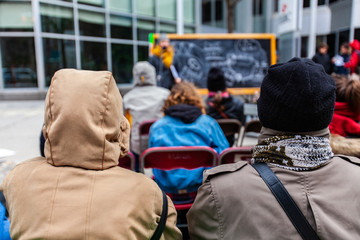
{"x": 20, "y": 126}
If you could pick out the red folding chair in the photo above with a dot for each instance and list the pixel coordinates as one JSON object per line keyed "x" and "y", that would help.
{"x": 168, "y": 158}
{"x": 144, "y": 129}
{"x": 128, "y": 161}
{"x": 235, "y": 154}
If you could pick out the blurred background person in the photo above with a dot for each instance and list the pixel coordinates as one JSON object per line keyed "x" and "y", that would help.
{"x": 220, "y": 104}
{"x": 162, "y": 58}
{"x": 322, "y": 57}
{"x": 355, "y": 57}
{"x": 341, "y": 58}
{"x": 142, "y": 103}
{"x": 184, "y": 124}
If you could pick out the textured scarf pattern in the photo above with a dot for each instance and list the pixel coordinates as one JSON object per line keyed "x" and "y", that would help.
{"x": 297, "y": 152}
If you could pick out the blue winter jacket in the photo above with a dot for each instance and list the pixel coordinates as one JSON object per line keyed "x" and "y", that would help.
{"x": 170, "y": 131}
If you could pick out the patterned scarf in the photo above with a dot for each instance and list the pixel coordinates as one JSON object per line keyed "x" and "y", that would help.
{"x": 293, "y": 152}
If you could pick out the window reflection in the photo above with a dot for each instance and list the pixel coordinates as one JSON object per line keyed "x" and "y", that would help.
{"x": 123, "y": 5}
{"x": 99, "y": 3}
{"x": 121, "y": 27}
{"x": 167, "y": 9}
{"x": 18, "y": 59}
{"x": 15, "y": 16}
{"x": 167, "y": 28}
{"x": 91, "y": 23}
{"x": 56, "y": 19}
{"x": 144, "y": 28}
{"x": 146, "y": 8}
{"x": 58, "y": 54}
{"x": 143, "y": 53}
{"x": 93, "y": 56}
{"x": 122, "y": 62}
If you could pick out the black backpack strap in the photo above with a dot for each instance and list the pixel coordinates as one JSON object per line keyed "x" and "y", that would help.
{"x": 287, "y": 203}
{"x": 161, "y": 226}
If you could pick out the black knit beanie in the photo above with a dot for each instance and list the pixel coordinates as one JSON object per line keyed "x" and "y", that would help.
{"x": 216, "y": 80}
{"x": 296, "y": 96}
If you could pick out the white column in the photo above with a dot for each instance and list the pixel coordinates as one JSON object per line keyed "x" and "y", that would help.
{"x": 38, "y": 44}
{"x": 77, "y": 35}
{"x": 312, "y": 35}
{"x": 352, "y": 20}
{"x": 269, "y": 9}
{"x": 1, "y": 73}
{"x": 108, "y": 36}
{"x": 180, "y": 17}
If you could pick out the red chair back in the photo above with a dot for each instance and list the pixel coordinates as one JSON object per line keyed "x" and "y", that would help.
{"x": 127, "y": 162}
{"x": 167, "y": 158}
{"x": 144, "y": 129}
{"x": 235, "y": 154}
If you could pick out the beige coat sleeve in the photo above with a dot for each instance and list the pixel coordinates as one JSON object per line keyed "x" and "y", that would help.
{"x": 171, "y": 231}
{"x": 203, "y": 217}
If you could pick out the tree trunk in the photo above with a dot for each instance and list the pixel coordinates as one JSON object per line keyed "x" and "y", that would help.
{"x": 230, "y": 5}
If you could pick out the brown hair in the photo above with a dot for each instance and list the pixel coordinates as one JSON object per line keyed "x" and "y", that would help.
{"x": 348, "y": 90}
{"x": 184, "y": 93}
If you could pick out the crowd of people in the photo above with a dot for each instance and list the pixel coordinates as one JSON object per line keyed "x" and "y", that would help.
{"x": 77, "y": 191}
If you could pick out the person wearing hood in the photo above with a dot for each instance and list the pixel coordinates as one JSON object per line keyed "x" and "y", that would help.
{"x": 295, "y": 108}
{"x": 220, "y": 104}
{"x": 143, "y": 102}
{"x": 77, "y": 191}
{"x": 184, "y": 124}
{"x": 355, "y": 56}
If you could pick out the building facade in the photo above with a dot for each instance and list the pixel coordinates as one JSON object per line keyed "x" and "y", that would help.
{"x": 39, "y": 37}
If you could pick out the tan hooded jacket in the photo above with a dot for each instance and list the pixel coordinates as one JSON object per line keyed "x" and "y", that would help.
{"x": 77, "y": 191}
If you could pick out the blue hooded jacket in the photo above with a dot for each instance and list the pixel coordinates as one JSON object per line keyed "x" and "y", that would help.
{"x": 185, "y": 127}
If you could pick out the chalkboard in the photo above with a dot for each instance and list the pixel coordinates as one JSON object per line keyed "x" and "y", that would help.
{"x": 244, "y": 58}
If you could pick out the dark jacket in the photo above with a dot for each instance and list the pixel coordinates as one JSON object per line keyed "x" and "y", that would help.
{"x": 324, "y": 60}
{"x": 234, "y": 109}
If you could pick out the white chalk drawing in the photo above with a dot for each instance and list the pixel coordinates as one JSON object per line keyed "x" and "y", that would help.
{"x": 243, "y": 61}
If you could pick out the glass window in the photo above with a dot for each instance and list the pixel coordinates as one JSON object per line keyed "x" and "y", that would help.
{"x": 304, "y": 46}
{"x": 122, "y": 5}
{"x": 99, "y": 3}
{"x": 257, "y": 7}
{"x": 19, "y": 66}
{"x": 306, "y": 3}
{"x": 122, "y": 62}
{"x": 146, "y": 7}
{"x": 189, "y": 11}
{"x": 219, "y": 8}
{"x": 167, "y": 9}
{"x": 58, "y": 54}
{"x": 91, "y": 23}
{"x": 321, "y": 2}
{"x": 206, "y": 12}
{"x": 343, "y": 37}
{"x": 357, "y": 33}
{"x": 330, "y": 40}
{"x": 167, "y": 28}
{"x": 143, "y": 53}
{"x": 189, "y": 30}
{"x": 56, "y": 19}
{"x": 121, "y": 27}
{"x": 93, "y": 56}
{"x": 16, "y": 16}
{"x": 144, "y": 28}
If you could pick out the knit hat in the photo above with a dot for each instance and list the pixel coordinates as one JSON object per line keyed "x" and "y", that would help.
{"x": 163, "y": 37}
{"x": 216, "y": 80}
{"x": 296, "y": 96}
{"x": 144, "y": 73}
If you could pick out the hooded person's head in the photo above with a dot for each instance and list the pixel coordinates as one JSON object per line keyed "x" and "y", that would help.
{"x": 84, "y": 122}
{"x": 355, "y": 45}
{"x": 296, "y": 97}
{"x": 144, "y": 74}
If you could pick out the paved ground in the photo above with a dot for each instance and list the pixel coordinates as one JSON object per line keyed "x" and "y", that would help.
{"x": 20, "y": 126}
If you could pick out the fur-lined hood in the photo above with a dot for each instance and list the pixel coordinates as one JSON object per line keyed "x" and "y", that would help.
{"x": 346, "y": 146}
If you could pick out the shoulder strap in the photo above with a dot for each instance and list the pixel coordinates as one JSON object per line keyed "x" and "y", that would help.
{"x": 161, "y": 226}
{"x": 286, "y": 202}
{"x": 211, "y": 104}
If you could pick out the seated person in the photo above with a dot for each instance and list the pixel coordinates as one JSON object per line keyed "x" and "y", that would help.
{"x": 220, "y": 104}
{"x": 143, "y": 102}
{"x": 346, "y": 117}
{"x": 77, "y": 191}
{"x": 184, "y": 124}
{"x": 295, "y": 108}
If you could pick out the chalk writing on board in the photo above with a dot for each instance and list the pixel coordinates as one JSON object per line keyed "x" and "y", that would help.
{"x": 244, "y": 61}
